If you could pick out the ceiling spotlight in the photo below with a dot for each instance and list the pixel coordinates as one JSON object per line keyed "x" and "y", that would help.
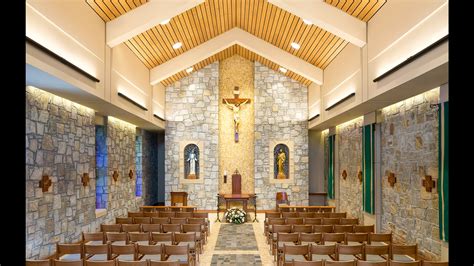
{"x": 295, "y": 45}
{"x": 177, "y": 45}
{"x": 189, "y": 70}
{"x": 307, "y": 21}
{"x": 282, "y": 69}
{"x": 164, "y": 22}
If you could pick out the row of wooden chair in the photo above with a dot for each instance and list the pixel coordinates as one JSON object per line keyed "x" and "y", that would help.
{"x": 54, "y": 262}
{"x": 367, "y": 263}
{"x": 157, "y": 220}
{"x": 306, "y": 214}
{"x": 169, "y": 214}
{"x": 307, "y": 228}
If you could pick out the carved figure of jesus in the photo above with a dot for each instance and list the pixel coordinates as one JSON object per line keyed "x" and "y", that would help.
{"x": 192, "y": 164}
{"x": 236, "y": 110}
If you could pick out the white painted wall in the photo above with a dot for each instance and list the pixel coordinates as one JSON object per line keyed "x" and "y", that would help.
{"x": 159, "y": 103}
{"x": 342, "y": 77}
{"x": 72, "y": 30}
{"x": 314, "y": 100}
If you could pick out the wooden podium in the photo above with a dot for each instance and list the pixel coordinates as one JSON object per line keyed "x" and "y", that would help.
{"x": 179, "y": 197}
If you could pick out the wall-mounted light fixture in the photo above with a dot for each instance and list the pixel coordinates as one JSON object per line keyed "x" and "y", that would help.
{"x": 132, "y": 101}
{"x": 85, "y": 179}
{"x": 130, "y": 174}
{"x": 340, "y": 101}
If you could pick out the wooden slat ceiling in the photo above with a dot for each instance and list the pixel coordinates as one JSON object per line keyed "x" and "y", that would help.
{"x": 214, "y": 17}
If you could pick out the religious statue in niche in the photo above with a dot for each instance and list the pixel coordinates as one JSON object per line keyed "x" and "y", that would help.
{"x": 281, "y": 157}
{"x": 191, "y": 161}
{"x": 235, "y": 105}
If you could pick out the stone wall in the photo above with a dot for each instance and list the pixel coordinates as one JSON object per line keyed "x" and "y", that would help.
{"x": 349, "y": 155}
{"x": 192, "y": 115}
{"x": 410, "y": 150}
{"x": 150, "y": 167}
{"x": 281, "y": 111}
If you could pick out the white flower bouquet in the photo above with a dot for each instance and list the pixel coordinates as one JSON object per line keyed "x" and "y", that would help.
{"x": 235, "y": 215}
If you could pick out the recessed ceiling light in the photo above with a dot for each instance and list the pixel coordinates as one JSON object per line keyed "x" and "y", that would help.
{"x": 177, "y": 45}
{"x": 307, "y": 21}
{"x": 295, "y": 45}
{"x": 189, "y": 70}
{"x": 164, "y": 22}
{"x": 282, "y": 69}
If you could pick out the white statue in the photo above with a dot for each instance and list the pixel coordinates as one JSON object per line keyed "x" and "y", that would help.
{"x": 192, "y": 164}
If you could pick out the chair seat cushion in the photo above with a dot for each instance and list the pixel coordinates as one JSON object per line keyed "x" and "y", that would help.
{"x": 372, "y": 243}
{"x": 280, "y": 244}
{"x": 370, "y": 257}
{"x": 70, "y": 257}
{"x": 402, "y": 257}
{"x": 346, "y": 257}
{"x": 289, "y": 258}
{"x": 164, "y": 242}
{"x": 125, "y": 257}
{"x": 96, "y": 257}
{"x": 180, "y": 258}
{"x": 192, "y": 245}
{"x": 95, "y": 242}
{"x": 321, "y": 257}
{"x": 142, "y": 242}
{"x": 156, "y": 257}
{"x": 350, "y": 243}
{"x": 119, "y": 243}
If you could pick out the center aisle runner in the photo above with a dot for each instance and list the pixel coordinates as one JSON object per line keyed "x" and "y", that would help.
{"x": 236, "y": 237}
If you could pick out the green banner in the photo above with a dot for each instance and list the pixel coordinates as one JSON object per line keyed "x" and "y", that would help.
{"x": 368, "y": 168}
{"x": 331, "y": 167}
{"x": 443, "y": 171}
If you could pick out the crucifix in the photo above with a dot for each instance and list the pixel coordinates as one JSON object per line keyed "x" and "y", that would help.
{"x": 234, "y": 105}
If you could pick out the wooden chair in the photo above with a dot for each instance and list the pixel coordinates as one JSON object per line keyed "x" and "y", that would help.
{"x": 204, "y": 215}
{"x": 151, "y": 228}
{"x": 337, "y": 215}
{"x": 160, "y": 220}
{"x": 132, "y": 263}
{"x": 110, "y": 228}
{"x": 313, "y": 221}
{"x": 150, "y": 252}
{"x": 321, "y": 215}
{"x": 404, "y": 263}
{"x": 307, "y": 263}
{"x": 346, "y": 252}
{"x": 116, "y": 238}
{"x": 292, "y": 253}
{"x": 197, "y": 230}
{"x": 151, "y": 214}
{"x": 306, "y": 214}
{"x": 351, "y": 221}
{"x": 294, "y": 220}
{"x": 272, "y": 215}
{"x": 323, "y": 252}
{"x": 205, "y": 229}
{"x": 141, "y": 220}
{"x": 357, "y": 238}
{"x": 100, "y": 263}
{"x": 343, "y": 228}
{"x": 372, "y": 263}
{"x": 67, "y": 263}
{"x": 364, "y": 228}
{"x": 123, "y": 252}
{"x": 331, "y": 221}
{"x": 38, "y": 262}
{"x": 281, "y": 198}
{"x": 283, "y": 239}
{"x": 99, "y": 252}
{"x": 171, "y": 228}
{"x": 70, "y": 252}
{"x": 178, "y": 253}
{"x": 289, "y": 215}
{"x": 174, "y": 220}
{"x": 332, "y": 238}
{"x": 323, "y": 228}
{"x": 377, "y": 253}
{"x": 135, "y": 214}
{"x": 272, "y": 236}
{"x": 93, "y": 238}
{"x": 162, "y": 238}
{"x": 139, "y": 237}
{"x": 271, "y": 221}
{"x": 313, "y": 238}
{"x": 123, "y": 220}
{"x": 434, "y": 263}
{"x": 182, "y": 239}
{"x": 300, "y": 228}
{"x": 184, "y": 215}
{"x": 404, "y": 252}
{"x": 131, "y": 227}
{"x": 168, "y": 214}
{"x": 341, "y": 263}
{"x": 163, "y": 263}
{"x": 376, "y": 239}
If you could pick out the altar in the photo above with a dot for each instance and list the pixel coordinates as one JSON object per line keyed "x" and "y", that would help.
{"x": 244, "y": 198}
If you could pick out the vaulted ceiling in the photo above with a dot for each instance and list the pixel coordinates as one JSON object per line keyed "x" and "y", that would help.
{"x": 214, "y": 17}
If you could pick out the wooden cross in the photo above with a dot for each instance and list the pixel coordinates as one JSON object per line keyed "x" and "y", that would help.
{"x": 392, "y": 179}
{"x": 234, "y": 105}
{"x": 115, "y": 175}
{"x": 428, "y": 183}
{"x": 344, "y": 174}
{"x": 130, "y": 174}
{"x": 45, "y": 183}
{"x": 85, "y": 179}
{"x": 359, "y": 175}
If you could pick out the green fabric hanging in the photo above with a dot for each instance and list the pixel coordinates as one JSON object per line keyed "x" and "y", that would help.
{"x": 368, "y": 168}
{"x": 331, "y": 167}
{"x": 443, "y": 171}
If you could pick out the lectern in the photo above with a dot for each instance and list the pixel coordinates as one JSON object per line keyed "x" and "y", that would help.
{"x": 236, "y": 183}
{"x": 179, "y": 197}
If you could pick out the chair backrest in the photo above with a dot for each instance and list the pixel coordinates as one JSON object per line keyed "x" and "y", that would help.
{"x": 132, "y": 263}
{"x": 176, "y": 250}
{"x": 163, "y": 263}
{"x": 434, "y": 263}
{"x": 294, "y": 220}
{"x": 352, "y": 221}
{"x": 116, "y": 250}
{"x": 138, "y": 236}
{"x": 162, "y": 237}
{"x": 376, "y": 237}
{"x": 97, "y": 236}
{"x": 343, "y": 228}
{"x": 151, "y": 228}
{"x": 321, "y": 215}
{"x": 38, "y": 262}
{"x": 272, "y": 215}
{"x": 356, "y": 250}
{"x": 272, "y": 221}
{"x": 196, "y": 221}
{"x": 307, "y": 263}
{"x": 313, "y": 237}
{"x": 289, "y": 215}
{"x": 62, "y": 249}
{"x": 306, "y": 214}
{"x": 110, "y": 227}
{"x": 281, "y": 228}
{"x": 160, "y": 220}
{"x": 323, "y": 228}
{"x": 123, "y": 220}
{"x": 151, "y": 214}
{"x": 337, "y": 215}
{"x": 357, "y": 237}
{"x": 364, "y": 228}
{"x": 191, "y": 228}
{"x": 174, "y": 220}
{"x": 404, "y": 263}
{"x": 171, "y": 228}
{"x": 90, "y": 250}
{"x": 135, "y": 214}
{"x": 168, "y": 214}
{"x": 377, "y": 250}
{"x": 323, "y": 250}
{"x": 201, "y": 215}
{"x": 287, "y": 237}
{"x": 302, "y": 228}
{"x": 67, "y": 262}
{"x": 313, "y": 221}
{"x": 334, "y": 237}
{"x": 409, "y": 250}
{"x": 331, "y": 221}
{"x": 341, "y": 263}
{"x": 131, "y": 228}
{"x": 295, "y": 250}
{"x": 100, "y": 263}
{"x": 372, "y": 263}
{"x": 114, "y": 236}
{"x": 183, "y": 237}
{"x": 142, "y": 220}
{"x": 149, "y": 250}
{"x": 184, "y": 215}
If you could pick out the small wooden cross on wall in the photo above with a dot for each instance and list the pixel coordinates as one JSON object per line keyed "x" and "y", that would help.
{"x": 85, "y": 179}
{"x": 428, "y": 183}
{"x": 45, "y": 183}
{"x": 130, "y": 174}
{"x": 234, "y": 105}
{"x": 392, "y": 179}
{"x": 359, "y": 175}
{"x": 344, "y": 174}
{"x": 115, "y": 175}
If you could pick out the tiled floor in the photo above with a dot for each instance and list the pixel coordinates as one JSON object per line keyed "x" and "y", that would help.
{"x": 251, "y": 250}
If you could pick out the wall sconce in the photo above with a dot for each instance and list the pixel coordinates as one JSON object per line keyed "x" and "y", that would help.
{"x": 225, "y": 176}
{"x": 45, "y": 183}
{"x": 130, "y": 174}
{"x": 392, "y": 179}
{"x": 428, "y": 183}
{"x": 359, "y": 175}
{"x": 85, "y": 179}
{"x": 115, "y": 176}
{"x": 344, "y": 174}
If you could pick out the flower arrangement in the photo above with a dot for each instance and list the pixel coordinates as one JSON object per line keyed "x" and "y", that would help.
{"x": 235, "y": 215}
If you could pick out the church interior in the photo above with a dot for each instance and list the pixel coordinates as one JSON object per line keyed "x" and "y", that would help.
{"x": 236, "y": 132}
